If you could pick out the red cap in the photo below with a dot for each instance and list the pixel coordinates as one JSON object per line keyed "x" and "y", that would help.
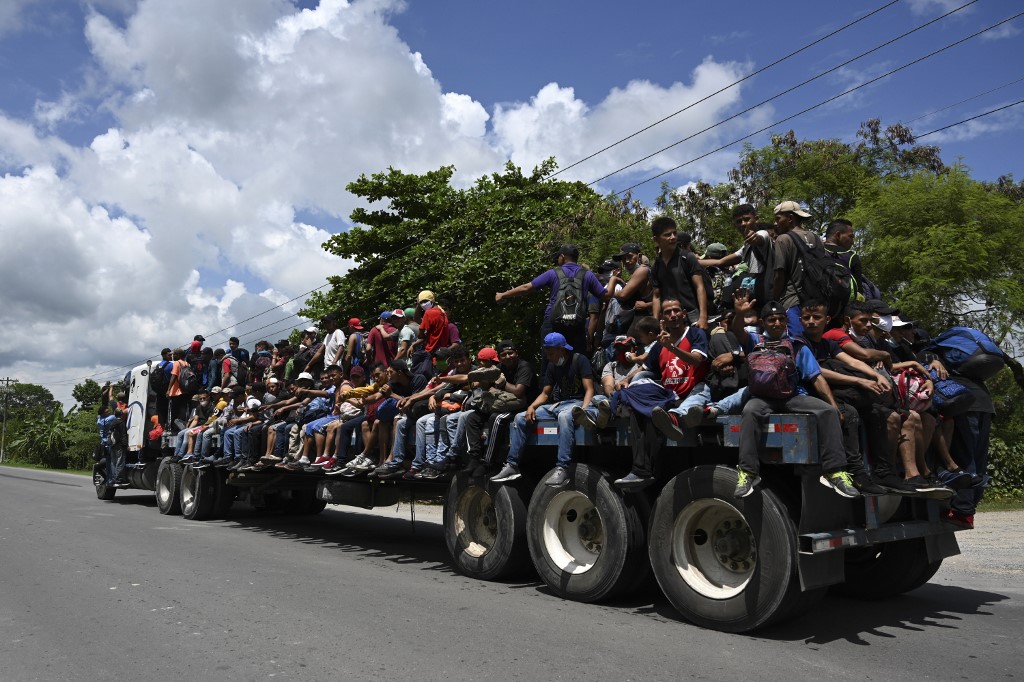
{"x": 487, "y": 353}
{"x": 355, "y": 323}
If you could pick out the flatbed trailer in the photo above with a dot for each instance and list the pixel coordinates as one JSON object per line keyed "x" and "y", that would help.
{"x": 724, "y": 563}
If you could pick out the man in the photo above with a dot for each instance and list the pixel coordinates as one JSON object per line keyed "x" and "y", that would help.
{"x": 757, "y": 409}
{"x": 678, "y": 361}
{"x": 240, "y": 354}
{"x": 228, "y": 368}
{"x": 566, "y": 273}
{"x": 676, "y": 274}
{"x": 201, "y": 412}
{"x": 636, "y": 292}
{"x": 381, "y": 342}
{"x": 310, "y": 358}
{"x": 433, "y": 332}
{"x": 788, "y": 287}
{"x": 408, "y": 332}
{"x": 839, "y": 243}
{"x": 355, "y": 348}
{"x": 334, "y": 341}
{"x": 569, "y": 383}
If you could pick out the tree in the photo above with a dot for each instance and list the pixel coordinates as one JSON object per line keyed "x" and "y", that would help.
{"x": 87, "y": 394}
{"x": 41, "y": 439}
{"x": 468, "y": 244}
{"x": 29, "y": 398}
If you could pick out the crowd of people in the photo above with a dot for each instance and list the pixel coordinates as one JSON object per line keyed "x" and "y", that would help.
{"x": 665, "y": 337}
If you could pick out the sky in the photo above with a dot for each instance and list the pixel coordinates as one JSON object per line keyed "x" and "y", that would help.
{"x": 172, "y": 167}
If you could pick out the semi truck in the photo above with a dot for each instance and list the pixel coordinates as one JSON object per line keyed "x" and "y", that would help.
{"x": 725, "y": 563}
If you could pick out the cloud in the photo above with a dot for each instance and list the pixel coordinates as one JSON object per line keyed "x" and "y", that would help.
{"x": 1000, "y": 32}
{"x": 934, "y": 6}
{"x": 12, "y": 17}
{"x": 1007, "y": 119}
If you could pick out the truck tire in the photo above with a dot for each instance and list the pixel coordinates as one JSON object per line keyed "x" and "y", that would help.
{"x": 725, "y": 563}
{"x": 198, "y": 494}
{"x": 168, "y": 487}
{"x": 99, "y": 479}
{"x": 886, "y": 570}
{"x": 223, "y": 494}
{"x": 485, "y": 528}
{"x": 304, "y": 503}
{"x": 586, "y": 540}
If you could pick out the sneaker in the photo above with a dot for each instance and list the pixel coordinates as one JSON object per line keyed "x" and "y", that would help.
{"x": 471, "y": 465}
{"x": 980, "y": 481}
{"x": 667, "y": 423}
{"x": 270, "y": 459}
{"x": 965, "y": 520}
{"x": 508, "y": 473}
{"x": 745, "y": 482}
{"x": 711, "y": 414}
{"x": 429, "y": 473}
{"x": 223, "y": 462}
{"x": 411, "y": 475}
{"x": 922, "y": 485}
{"x": 895, "y": 484}
{"x": 694, "y": 416}
{"x": 580, "y": 417}
{"x": 490, "y": 374}
{"x": 388, "y": 470}
{"x": 631, "y": 482}
{"x": 187, "y": 459}
{"x": 297, "y": 466}
{"x": 320, "y": 461}
{"x": 866, "y": 486}
{"x": 558, "y": 478}
{"x": 955, "y": 479}
{"x": 604, "y": 413}
{"x": 336, "y": 470}
{"x": 841, "y": 482}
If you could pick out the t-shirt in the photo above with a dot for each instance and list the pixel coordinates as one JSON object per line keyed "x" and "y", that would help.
{"x": 618, "y": 371}
{"x": 806, "y": 365}
{"x": 408, "y": 333}
{"x": 174, "y": 390}
{"x": 384, "y": 345}
{"x": 725, "y": 384}
{"x": 240, "y": 354}
{"x": 848, "y": 258}
{"x": 825, "y": 349}
{"x": 675, "y": 279}
{"x": 674, "y": 373}
{"x": 334, "y": 342}
{"x": 522, "y": 374}
{"x": 837, "y": 335}
{"x": 416, "y": 384}
{"x": 434, "y": 326}
{"x": 453, "y": 333}
{"x": 567, "y": 381}
{"x": 550, "y": 279}
{"x": 787, "y": 259}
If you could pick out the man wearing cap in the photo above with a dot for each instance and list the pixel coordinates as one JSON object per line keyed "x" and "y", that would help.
{"x": 676, "y": 274}
{"x": 433, "y": 331}
{"x": 569, "y": 383}
{"x": 381, "y": 343}
{"x": 201, "y": 411}
{"x": 408, "y": 332}
{"x": 566, "y": 268}
{"x": 636, "y": 292}
{"x": 788, "y": 287}
{"x": 310, "y": 358}
{"x": 756, "y": 410}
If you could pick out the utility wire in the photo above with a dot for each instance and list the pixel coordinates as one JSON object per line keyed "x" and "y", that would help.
{"x": 784, "y": 92}
{"x": 819, "y": 104}
{"x": 966, "y": 120}
{"x": 727, "y": 87}
{"x": 955, "y": 104}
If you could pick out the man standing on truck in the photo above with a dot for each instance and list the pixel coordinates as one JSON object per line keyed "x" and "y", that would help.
{"x": 795, "y": 370}
{"x": 677, "y": 274}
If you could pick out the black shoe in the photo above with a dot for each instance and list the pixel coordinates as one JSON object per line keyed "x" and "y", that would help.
{"x": 430, "y": 474}
{"x": 667, "y": 423}
{"x": 866, "y": 486}
{"x": 222, "y": 462}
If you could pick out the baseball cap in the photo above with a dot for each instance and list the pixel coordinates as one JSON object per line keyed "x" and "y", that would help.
{"x": 772, "y": 308}
{"x": 199, "y": 338}
{"x": 216, "y": 389}
{"x": 626, "y": 249}
{"x": 386, "y": 314}
{"x": 281, "y": 343}
{"x": 253, "y": 403}
{"x": 792, "y": 207}
{"x": 397, "y": 312}
{"x": 355, "y": 323}
{"x": 310, "y": 330}
{"x": 273, "y": 380}
{"x": 556, "y": 340}
{"x": 425, "y": 295}
{"x": 304, "y": 376}
{"x": 900, "y": 322}
{"x": 506, "y": 344}
{"x": 357, "y": 371}
{"x": 623, "y": 340}
{"x": 716, "y": 251}
{"x": 487, "y": 353}
{"x": 410, "y": 312}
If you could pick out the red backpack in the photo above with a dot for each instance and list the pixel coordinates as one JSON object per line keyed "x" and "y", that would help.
{"x": 772, "y": 370}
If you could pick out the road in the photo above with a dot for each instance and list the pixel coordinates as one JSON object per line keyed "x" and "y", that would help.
{"x": 115, "y": 591}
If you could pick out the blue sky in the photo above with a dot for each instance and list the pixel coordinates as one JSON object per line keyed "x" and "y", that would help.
{"x": 173, "y": 166}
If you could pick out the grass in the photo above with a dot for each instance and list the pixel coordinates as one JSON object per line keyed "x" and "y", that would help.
{"x": 1001, "y": 505}
{"x": 21, "y": 465}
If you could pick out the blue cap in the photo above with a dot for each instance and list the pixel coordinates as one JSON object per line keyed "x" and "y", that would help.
{"x": 386, "y": 315}
{"x": 556, "y": 340}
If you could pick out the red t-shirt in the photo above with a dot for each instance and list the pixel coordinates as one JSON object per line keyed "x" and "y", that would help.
{"x": 837, "y": 335}
{"x": 434, "y": 326}
{"x": 676, "y": 375}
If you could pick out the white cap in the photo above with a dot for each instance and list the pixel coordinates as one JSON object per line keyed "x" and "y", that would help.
{"x": 792, "y": 207}
{"x": 252, "y": 403}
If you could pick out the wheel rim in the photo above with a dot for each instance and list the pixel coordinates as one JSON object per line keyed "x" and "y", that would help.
{"x": 713, "y": 548}
{"x": 189, "y": 479}
{"x": 99, "y": 480}
{"x": 476, "y": 522}
{"x": 163, "y": 488}
{"x": 573, "y": 532}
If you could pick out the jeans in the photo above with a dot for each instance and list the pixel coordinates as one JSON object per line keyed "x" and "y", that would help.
{"x": 281, "y": 438}
{"x": 453, "y": 436}
{"x": 970, "y": 451}
{"x": 732, "y": 404}
{"x": 426, "y": 439}
{"x": 699, "y": 396}
{"x": 562, "y": 411}
{"x": 115, "y": 463}
{"x": 236, "y": 442}
{"x": 181, "y": 443}
{"x": 206, "y": 441}
{"x": 345, "y": 437}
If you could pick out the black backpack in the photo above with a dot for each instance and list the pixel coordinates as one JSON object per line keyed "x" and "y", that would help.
{"x": 569, "y": 311}
{"x": 825, "y": 279}
{"x": 188, "y": 379}
{"x": 158, "y": 377}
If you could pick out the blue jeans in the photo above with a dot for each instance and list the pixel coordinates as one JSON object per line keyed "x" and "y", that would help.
{"x": 700, "y": 396}
{"x": 562, "y": 411}
{"x": 453, "y": 435}
{"x": 426, "y": 440}
{"x": 236, "y": 442}
{"x": 181, "y": 443}
{"x": 732, "y": 404}
{"x": 206, "y": 441}
{"x": 345, "y": 437}
{"x": 281, "y": 439}
{"x": 970, "y": 450}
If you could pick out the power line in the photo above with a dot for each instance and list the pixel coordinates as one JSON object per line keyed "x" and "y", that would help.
{"x": 819, "y": 104}
{"x": 966, "y": 120}
{"x": 784, "y": 92}
{"x": 727, "y": 87}
{"x": 955, "y": 104}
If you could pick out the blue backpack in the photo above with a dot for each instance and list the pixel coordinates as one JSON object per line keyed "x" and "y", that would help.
{"x": 969, "y": 353}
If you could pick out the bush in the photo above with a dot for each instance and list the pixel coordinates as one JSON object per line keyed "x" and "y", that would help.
{"x": 1006, "y": 467}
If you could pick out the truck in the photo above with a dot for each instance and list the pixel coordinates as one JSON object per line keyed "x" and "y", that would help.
{"x": 724, "y": 563}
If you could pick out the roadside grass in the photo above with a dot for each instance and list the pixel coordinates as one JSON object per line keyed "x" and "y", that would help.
{"x": 20, "y": 465}
{"x": 1001, "y": 505}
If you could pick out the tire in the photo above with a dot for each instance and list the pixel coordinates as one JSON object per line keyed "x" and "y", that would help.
{"x": 485, "y": 528}
{"x": 304, "y": 503}
{"x": 744, "y": 579}
{"x": 168, "y": 487}
{"x": 103, "y": 491}
{"x": 886, "y": 570}
{"x": 586, "y": 540}
{"x": 198, "y": 494}
{"x": 224, "y": 494}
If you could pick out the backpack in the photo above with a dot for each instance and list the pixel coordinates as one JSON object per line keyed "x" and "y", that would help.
{"x": 912, "y": 390}
{"x": 261, "y": 362}
{"x": 569, "y": 310}
{"x": 188, "y": 379}
{"x": 771, "y": 370}
{"x": 158, "y": 377}
{"x": 951, "y": 398}
{"x": 242, "y": 374}
{"x": 825, "y": 279}
{"x": 969, "y": 353}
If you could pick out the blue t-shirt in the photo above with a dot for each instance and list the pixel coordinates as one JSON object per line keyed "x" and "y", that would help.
{"x": 806, "y": 364}
{"x": 105, "y": 425}
{"x": 550, "y": 279}
{"x": 566, "y": 382}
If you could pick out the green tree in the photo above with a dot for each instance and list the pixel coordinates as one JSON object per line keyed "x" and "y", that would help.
{"x": 467, "y": 244}
{"x": 42, "y": 438}
{"x": 86, "y": 394}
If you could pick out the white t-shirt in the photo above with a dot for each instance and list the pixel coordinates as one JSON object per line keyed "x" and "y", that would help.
{"x": 334, "y": 343}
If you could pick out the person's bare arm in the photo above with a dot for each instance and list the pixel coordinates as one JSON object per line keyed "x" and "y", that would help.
{"x": 515, "y": 291}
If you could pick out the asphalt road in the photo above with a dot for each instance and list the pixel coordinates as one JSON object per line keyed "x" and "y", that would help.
{"x": 94, "y": 590}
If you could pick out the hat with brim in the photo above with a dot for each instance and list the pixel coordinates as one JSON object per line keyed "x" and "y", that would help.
{"x": 898, "y": 322}
{"x": 791, "y": 207}
{"x": 627, "y": 249}
{"x": 556, "y": 340}
{"x": 772, "y": 308}
{"x": 716, "y": 251}
{"x": 304, "y": 376}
